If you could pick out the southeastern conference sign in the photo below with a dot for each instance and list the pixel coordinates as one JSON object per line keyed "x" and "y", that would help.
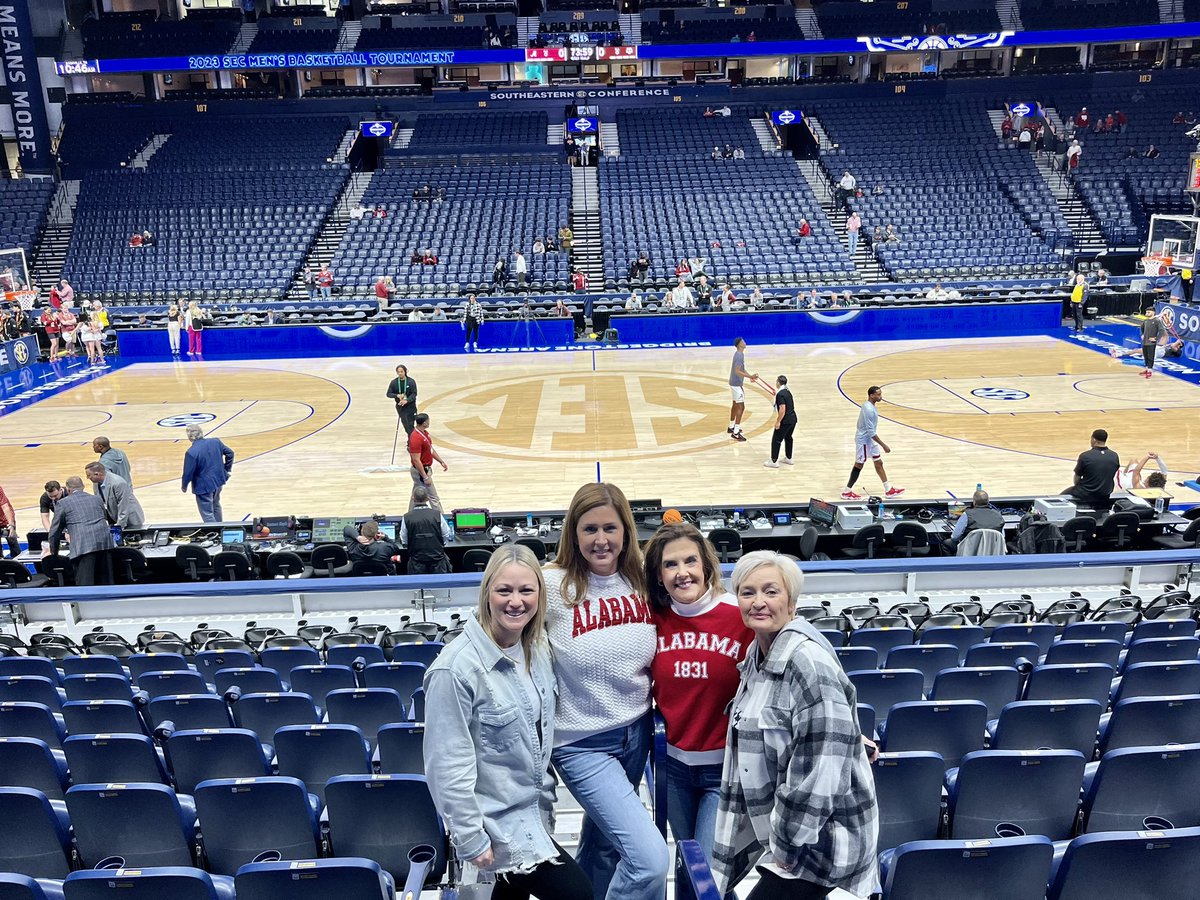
{"x": 787, "y": 116}
{"x": 377, "y": 129}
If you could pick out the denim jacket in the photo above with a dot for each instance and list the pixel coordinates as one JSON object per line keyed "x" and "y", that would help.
{"x": 487, "y": 765}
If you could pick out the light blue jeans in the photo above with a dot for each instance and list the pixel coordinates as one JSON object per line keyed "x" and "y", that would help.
{"x": 692, "y": 796}
{"x": 620, "y": 849}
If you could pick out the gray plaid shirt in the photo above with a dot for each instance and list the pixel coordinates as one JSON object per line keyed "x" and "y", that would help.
{"x": 796, "y": 787}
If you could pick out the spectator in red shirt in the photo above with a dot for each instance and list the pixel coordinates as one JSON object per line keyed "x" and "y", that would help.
{"x": 579, "y": 280}
{"x": 1121, "y": 119}
{"x": 421, "y": 456}
{"x": 325, "y": 282}
{"x": 49, "y": 320}
{"x": 383, "y": 290}
{"x": 805, "y": 229}
{"x": 8, "y": 525}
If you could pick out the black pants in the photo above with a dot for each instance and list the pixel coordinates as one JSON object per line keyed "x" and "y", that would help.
{"x": 1077, "y": 310}
{"x": 782, "y": 435}
{"x": 472, "y": 330}
{"x": 1148, "y": 351}
{"x": 557, "y": 879}
{"x": 438, "y": 566}
{"x": 407, "y": 413}
{"x": 771, "y": 887}
{"x": 14, "y": 542}
{"x": 93, "y": 568}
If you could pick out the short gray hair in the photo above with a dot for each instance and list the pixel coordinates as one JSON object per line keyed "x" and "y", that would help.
{"x": 95, "y": 466}
{"x": 74, "y": 483}
{"x": 789, "y": 571}
{"x": 420, "y": 494}
{"x": 194, "y": 432}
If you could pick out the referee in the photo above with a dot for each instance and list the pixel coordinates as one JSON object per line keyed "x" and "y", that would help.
{"x": 404, "y": 391}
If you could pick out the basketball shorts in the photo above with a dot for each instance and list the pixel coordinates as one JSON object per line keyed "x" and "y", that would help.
{"x": 865, "y": 450}
{"x": 739, "y": 395}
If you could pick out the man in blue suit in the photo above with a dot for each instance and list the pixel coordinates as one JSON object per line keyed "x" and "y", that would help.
{"x": 206, "y": 467}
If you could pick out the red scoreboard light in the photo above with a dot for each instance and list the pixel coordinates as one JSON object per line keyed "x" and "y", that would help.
{"x": 1194, "y": 173}
{"x": 616, "y": 53}
{"x": 546, "y": 54}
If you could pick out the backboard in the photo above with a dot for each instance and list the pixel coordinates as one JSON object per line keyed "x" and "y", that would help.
{"x": 1171, "y": 245}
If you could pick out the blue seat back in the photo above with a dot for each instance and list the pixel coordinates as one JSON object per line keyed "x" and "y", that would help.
{"x": 1168, "y": 649}
{"x": 345, "y": 655}
{"x": 424, "y": 652}
{"x": 242, "y": 818}
{"x": 1073, "y": 652}
{"x": 405, "y": 678}
{"x": 197, "y": 756}
{"x": 125, "y": 758}
{"x": 141, "y": 663}
{"x": 283, "y": 659}
{"x": 1077, "y": 681}
{"x": 996, "y": 686}
{"x": 368, "y": 708}
{"x": 31, "y": 720}
{"x": 97, "y": 687}
{"x": 908, "y": 787}
{"x": 28, "y": 762}
{"x": 102, "y": 717}
{"x": 30, "y": 665}
{"x": 383, "y": 817}
{"x": 22, "y": 887}
{"x": 961, "y": 636}
{"x": 254, "y": 680}
{"x": 316, "y": 753}
{"x": 176, "y": 883}
{"x": 1166, "y": 867}
{"x": 1040, "y": 633}
{"x": 401, "y": 749}
{"x": 1135, "y": 783}
{"x": 856, "y": 659}
{"x": 1001, "y": 653}
{"x": 173, "y": 684}
{"x": 883, "y": 689}
{"x": 143, "y": 824}
{"x": 1038, "y": 791}
{"x": 93, "y": 665}
{"x": 923, "y": 869}
{"x": 318, "y": 681}
{"x": 209, "y": 662}
{"x": 316, "y": 879}
{"x": 951, "y": 728}
{"x": 882, "y": 639}
{"x": 928, "y": 659}
{"x": 1159, "y": 679}
{"x": 34, "y": 839}
{"x": 1151, "y": 722}
{"x": 31, "y": 689}
{"x": 1049, "y": 725}
{"x": 190, "y": 712}
{"x": 264, "y": 714}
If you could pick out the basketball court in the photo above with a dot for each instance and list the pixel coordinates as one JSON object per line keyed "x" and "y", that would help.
{"x": 524, "y": 430}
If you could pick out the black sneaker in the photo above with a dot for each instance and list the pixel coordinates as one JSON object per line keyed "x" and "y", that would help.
{"x": 729, "y": 430}
{"x": 738, "y": 436}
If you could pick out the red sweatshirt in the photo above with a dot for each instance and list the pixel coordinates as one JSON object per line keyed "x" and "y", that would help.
{"x": 695, "y": 675}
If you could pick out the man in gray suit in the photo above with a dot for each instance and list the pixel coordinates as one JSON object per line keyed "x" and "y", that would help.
{"x": 114, "y": 460}
{"x": 120, "y": 505}
{"x": 91, "y": 536}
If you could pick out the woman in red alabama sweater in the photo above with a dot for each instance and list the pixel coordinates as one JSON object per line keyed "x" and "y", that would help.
{"x": 701, "y": 640}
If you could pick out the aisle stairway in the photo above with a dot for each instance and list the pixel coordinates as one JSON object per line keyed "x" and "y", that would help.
{"x": 807, "y": 20}
{"x": 766, "y": 137}
{"x": 610, "y": 139}
{"x": 631, "y": 27}
{"x": 587, "y": 254}
{"x": 333, "y": 229}
{"x": 868, "y": 267}
{"x": 348, "y": 37}
{"x": 1009, "y": 12}
{"x": 50, "y": 252}
{"x": 245, "y": 38}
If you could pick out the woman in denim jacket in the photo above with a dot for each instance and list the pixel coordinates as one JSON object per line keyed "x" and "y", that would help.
{"x": 487, "y": 748}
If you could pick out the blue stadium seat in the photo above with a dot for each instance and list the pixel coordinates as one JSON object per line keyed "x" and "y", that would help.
{"x": 951, "y": 728}
{"x": 30, "y": 665}
{"x": 882, "y": 639}
{"x": 22, "y": 887}
{"x": 102, "y": 717}
{"x": 1151, "y": 722}
{"x": 1157, "y": 679}
{"x": 249, "y": 681}
{"x": 316, "y": 753}
{"x": 883, "y": 689}
{"x": 98, "y": 687}
{"x": 1048, "y": 725}
{"x": 265, "y": 714}
{"x": 383, "y": 817}
{"x": 423, "y": 652}
{"x": 241, "y": 818}
{"x": 172, "y": 684}
{"x": 403, "y": 677}
{"x": 209, "y": 662}
{"x": 142, "y": 824}
{"x": 316, "y": 879}
{"x": 401, "y": 749}
{"x": 856, "y": 659}
{"x": 176, "y": 883}
{"x": 141, "y": 663}
{"x": 1040, "y": 633}
{"x": 28, "y": 762}
{"x": 961, "y": 636}
{"x": 197, "y": 756}
{"x": 190, "y": 712}
{"x": 93, "y": 665}
{"x": 920, "y": 870}
{"x": 1130, "y": 787}
{"x": 32, "y": 689}
{"x": 318, "y": 681}
{"x": 996, "y": 686}
{"x": 1072, "y": 652}
{"x": 346, "y": 654}
{"x": 1171, "y": 649}
{"x": 368, "y": 708}
{"x": 908, "y": 787}
{"x": 32, "y": 720}
{"x": 284, "y": 659}
{"x": 995, "y": 653}
{"x": 1038, "y": 791}
{"x": 1077, "y": 681}
{"x": 1116, "y": 866}
{"x": 928, "y": 659}
{"x": 35, "y": 836}
{"x": 124, "y": 758}
{"x": 1095, "y": 631}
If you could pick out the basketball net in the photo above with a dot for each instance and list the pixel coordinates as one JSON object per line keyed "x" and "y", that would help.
{"x": 1157, "y": 264}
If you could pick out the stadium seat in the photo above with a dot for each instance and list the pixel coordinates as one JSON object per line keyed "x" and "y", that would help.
{"x": 177, "y": 883}
{"x": 102, "y": 717}
{"x": 316, "y": 753}
{"x": 992, "y": 790}
{"x": 172, "y": 684}
{"x": 197, "y": 756}
{"x": 1072, "y": 652}
{"x": 383, "y": 817}
{"x": 30, "y": 763}
{"x": 928, "y": 659}
{"x": 92, "y": 665}
{"x": 920, "y": 870}
{"x": 854, "y": 659}
{"x": 141, "y": 824}
{"x": 98, "y": 687}
{"x": 405, "y": 678}
{"x": 30, "y": 665}
{"x": 423, "y": 652}
{"x": 883, "y": 689}
{"x": 996, "y": 686}
{"x": 35, "y": 837}
{"x": 315, "y": 879}
{"x": 22, "y": 887}
{"x": 242, "y": 818}
{"x": 190, "y": 712}
{"x": 125, "y": 758}
{"x": 908, "y": 787}
{"x": 141, "y": 663}
{"x": 368, "y": 708}
{"x": 1038, "y": 633}
{"x": 961, "y": 636}
{"x": 1048, "y": 725}
{"x": 265, "y": 714}
{"x": 401, "y": 750}
{"x": 249, "y": 681}
{"x": 284, "y": 659}
{"x": 1001, "y": 654}
{"x": 1151, "y": 722}
{"x": 1077, "y": 681}
{"x": 32, "y": 720}
{"x": 882, "y": 639}
{"x": 951, "y": 728}
{"x": 348, "y": 654}
{"x": 1158, "y": 679}
{"x": 1117, "y": 866}
{"x": 32, "y": 689}
{"x": 1143, "y": 789}
{"x": 318, "y": 681}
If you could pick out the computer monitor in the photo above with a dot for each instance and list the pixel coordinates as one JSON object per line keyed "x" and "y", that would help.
{"x": 329, "y": 531}
{"x": 233, "y": 535}
{"x": 822, "y": 512}
{"x": 388, "y": 530}
{"x": 641, "y": 507}
{"x": 276, "y": 528}
{"x": 470, "y": 519}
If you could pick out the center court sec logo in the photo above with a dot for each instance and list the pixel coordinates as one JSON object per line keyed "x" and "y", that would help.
{"x": 592, "y": 416}
{"x": 185, "y": 419}
{"x": 996, "y": 393}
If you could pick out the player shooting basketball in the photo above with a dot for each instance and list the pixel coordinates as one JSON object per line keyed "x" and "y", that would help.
{"x": 867, "y": 442}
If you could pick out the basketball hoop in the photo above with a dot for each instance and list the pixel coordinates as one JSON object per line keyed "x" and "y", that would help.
{"x": 1157, "y": 264}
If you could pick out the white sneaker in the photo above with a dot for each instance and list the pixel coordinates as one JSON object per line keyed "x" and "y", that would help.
{"x": 787, "y": 462}
{"x": 771, "y": 465}
{"x": 467, "y": 346}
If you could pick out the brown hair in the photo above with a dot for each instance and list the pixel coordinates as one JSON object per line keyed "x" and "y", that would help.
{"x": 660, "y": 598}
{"x": 570, "y": 559}
{"x": 520, "y": 555}
{"x": 369, "y": 529}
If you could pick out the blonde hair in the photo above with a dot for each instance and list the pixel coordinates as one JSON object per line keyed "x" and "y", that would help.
{"x": 569, "y": 557}
{"x": 519, "y": 555}
{"x": 789, "y": 571}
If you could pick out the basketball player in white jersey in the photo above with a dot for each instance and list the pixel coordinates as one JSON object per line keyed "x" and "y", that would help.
{"x": 867, "y": 443}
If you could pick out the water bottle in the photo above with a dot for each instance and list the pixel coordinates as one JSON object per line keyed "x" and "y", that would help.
{"x": 1160, "y": 504}
{"x": 978, "y": 486}
{"x": 879, "y": 510}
